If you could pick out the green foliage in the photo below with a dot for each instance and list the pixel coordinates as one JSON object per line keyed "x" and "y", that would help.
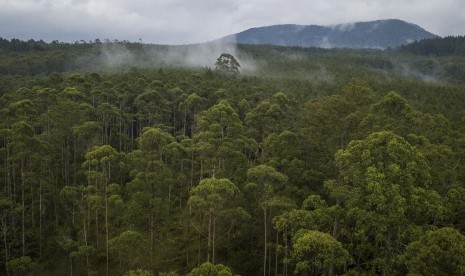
{"x": 138, "y": 272}
{"x": 440, "y": 46}
{"x": 313, "y": 252}
{"x": 438, "y": 252}
{"x": 22, "y": 265}
{"x": 305, "y": 156}
{"x": 209, "y": 269}
{"x": 227, "y": 63}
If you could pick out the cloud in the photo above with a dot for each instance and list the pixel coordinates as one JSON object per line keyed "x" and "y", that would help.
{"x": 187, "y": 21}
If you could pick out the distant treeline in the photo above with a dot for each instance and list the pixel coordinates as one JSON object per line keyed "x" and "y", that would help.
{"x": 447, "y": 46}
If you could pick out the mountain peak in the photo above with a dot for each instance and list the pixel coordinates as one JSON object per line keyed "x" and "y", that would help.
{"x": 373, "y": 34}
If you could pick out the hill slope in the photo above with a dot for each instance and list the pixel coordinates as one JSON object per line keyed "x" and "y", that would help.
{"x": 447, "y": 46}
{"x": 373, "y": 34}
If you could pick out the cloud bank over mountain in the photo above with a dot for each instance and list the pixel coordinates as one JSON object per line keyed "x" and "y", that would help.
{"x": 186, "y": 21}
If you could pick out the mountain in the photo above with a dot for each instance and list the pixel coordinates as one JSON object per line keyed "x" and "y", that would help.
{"x": 373, "y": 34}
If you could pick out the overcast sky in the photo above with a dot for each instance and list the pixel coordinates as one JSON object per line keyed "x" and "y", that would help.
{"x": 191, "y": 21}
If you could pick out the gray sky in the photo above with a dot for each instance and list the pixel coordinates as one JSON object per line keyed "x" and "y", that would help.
{"x": 191, "y": 21}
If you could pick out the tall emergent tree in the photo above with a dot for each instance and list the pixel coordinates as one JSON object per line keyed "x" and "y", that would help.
{"x": 227, "y": 63}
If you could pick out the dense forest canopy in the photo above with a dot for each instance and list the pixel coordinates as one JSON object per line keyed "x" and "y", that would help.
{"x": 122, "y": 158}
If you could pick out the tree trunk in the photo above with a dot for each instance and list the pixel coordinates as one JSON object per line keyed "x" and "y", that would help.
{"x": 71, "y": 266}
{"x": 152, "y": 240}
{"x": 174, "y": 121}
{"x": 334, "y": 233}
{"x": 213, "y": 248}
{"x": 96, "y": 228}
{"x": 4, "y": 230}
{"x": 40, "y": 220}
{"x": 85, "y": 231}
{"x": 198, "y": 253}
{"x": 209, "y": 236}
{"x": 276, "y": 255}
{"x": 264, "y": 244}
{"x": 285, "y": 254}
{"x": 192, "y": 172}
{"x": 106, "y": 226}
{"x": 23, "y": 219}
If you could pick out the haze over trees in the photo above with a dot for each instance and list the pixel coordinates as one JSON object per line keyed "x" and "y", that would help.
{"x": 316, "y": 162}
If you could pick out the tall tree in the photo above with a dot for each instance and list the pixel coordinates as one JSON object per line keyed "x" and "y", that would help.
{"x": 264, "y": 183}
{"x": 214, "y": 199}
{"x": 100, "y": 161}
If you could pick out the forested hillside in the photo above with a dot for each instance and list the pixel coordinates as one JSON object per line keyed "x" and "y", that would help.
{"x": 378, "y": 34}
{"x": 116, "y": 160}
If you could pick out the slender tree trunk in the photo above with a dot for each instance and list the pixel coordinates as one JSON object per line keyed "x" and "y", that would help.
{"x": 276, "y": 255}
{"x": 32, "y": 205}
{"x": 192, "y": 172}
{"x": 198, "y": 254}
{"x": 174, "y": 121}
{"x": 88, "y": 216}
{"x": 96, "y": 228}
{"x": 270, "y": 248}
{"x": 285, "y": 253}
{"x": 213, "y": 249}
{"x": 40, "y": 220}
{"x": 56, "y": 203}
{"x": 181, "y": 184}
{"x": 120, "y": 132}
{"x": 23, "y": 219}
{"x": 83, "y": 212}
{"x": 85, "y": 242}
{"x": 201, "y": 170}
{"x": 71, "y": 266}
{"x": 152, "y": 240}
{"x": 209, "y": 236}
{"x": 334, "y": 233}
{"x": 188, "y": 241}
{"x": 106, "y": 227}
{"x": 169, "y": 196}
{"x": 265, "y": 240}
{"x": 184, "y": 127}
{"x": 7, "y": 170}
{"x": 4, "y": 230}
{"x": 74, "y": 162}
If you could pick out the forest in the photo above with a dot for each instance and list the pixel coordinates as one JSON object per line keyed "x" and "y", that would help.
{"x": 124, "y": 158}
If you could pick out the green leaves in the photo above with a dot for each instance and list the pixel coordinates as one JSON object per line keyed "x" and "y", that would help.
{"x": 438, "y": 252}
{"x": 209, "y": 269}
{"x": 213, "y": 195}
{"x": 227, "y": 63}
{"x": 129, "y": 247}
{"x": 313, "y": 253}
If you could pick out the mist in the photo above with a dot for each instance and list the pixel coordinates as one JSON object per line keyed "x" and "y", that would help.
{"x": 120, "y": 56}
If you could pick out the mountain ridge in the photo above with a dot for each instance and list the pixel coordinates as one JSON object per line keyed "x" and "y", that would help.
{"x": 371, "y": 34}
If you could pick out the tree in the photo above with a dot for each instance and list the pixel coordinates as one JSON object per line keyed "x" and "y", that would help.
{"x": 383, "y": 187}
{"x": 214, "y": 199}
{"x": 269, "y": 116}
{"x": 209, "y": 269}
{"x": 220, "y": 140}
{"x": 5, "y": 211}
{"x": 392, "y": 113}
{"x": 227, "y": 63}
{"x": 264, "y": 182}
{"x": 150, "y": 188}
{"x": 315, "y": 215}
{"x": 313, "y": 253}
{"x": 130, "y": 246}
{"x": 101, "y": 159}
{"x": 438, "y": 252}
{"x": 139, "y": 272}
